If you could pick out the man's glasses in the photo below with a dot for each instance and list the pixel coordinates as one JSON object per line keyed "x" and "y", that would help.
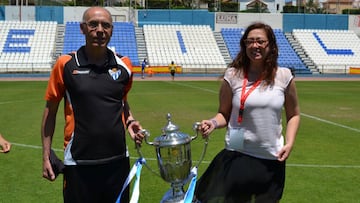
{"x": 259, "y": 42}
{"x": 95, "y": 24}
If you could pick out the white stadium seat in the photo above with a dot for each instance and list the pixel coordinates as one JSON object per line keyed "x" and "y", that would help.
{"x": 28, "y": 46}
{"x": 183, "y": 44}
{"x": 333, "y": 51}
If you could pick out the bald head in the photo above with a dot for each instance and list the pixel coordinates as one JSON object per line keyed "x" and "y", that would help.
{"x": 97, "y": 26}
{"x": 92, "y": 11}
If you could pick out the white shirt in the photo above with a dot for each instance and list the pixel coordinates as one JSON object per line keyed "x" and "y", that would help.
{"x": 260, "y": 132}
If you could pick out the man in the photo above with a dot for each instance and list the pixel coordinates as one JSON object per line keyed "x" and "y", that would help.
{"x": 172, "y": 69}
{"x": 94, "y": 83}
{"x": 143, "y": 66}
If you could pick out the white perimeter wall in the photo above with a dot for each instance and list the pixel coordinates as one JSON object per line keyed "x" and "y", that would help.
{"x": 354, "y": 24}
{"x": 242, "y": 20}
{"x": 119, "y": 14}
{"x": 17, "y": 13}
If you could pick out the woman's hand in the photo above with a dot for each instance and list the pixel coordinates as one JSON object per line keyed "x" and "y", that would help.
{"x": 207, "y": 126}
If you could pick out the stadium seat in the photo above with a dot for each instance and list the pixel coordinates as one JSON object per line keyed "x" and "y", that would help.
{"x": 123, "y": 40}
{"x": 23, "y": 42}
{"x": 183, "y": 44}
{"x": 287, "y": 56}
{"x": 334, "y": 51}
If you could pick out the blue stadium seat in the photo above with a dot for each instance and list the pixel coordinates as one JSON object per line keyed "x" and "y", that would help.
{"x": 287, "y": 56}
{"x": 332, "y": 50}
{"x": 27, "y": 46}
{"x": 123, "y": 40}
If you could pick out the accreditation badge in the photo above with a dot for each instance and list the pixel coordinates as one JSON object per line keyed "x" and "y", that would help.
{"x": 236, "y": 140}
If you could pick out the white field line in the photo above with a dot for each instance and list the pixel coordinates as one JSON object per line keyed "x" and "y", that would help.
{"x": 207, "y": 162}
{"x": 303, "y": 114}
{"x": 330, "y": 122}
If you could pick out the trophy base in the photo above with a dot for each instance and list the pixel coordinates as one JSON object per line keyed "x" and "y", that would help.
{"x": 177, "y": 199}
{"x": 174, "y": 195}
{"x": 172, "y": 200}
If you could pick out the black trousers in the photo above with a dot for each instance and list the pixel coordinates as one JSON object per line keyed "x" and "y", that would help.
{"x": 96, "y": 183}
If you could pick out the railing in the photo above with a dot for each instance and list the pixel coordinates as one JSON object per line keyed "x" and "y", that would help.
{"x": 338, "y": 69}
{"x": 36, "y": 67}
{"x": 22, "y": 67}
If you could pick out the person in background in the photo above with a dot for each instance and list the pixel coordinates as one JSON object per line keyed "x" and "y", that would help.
{"x": 94, "y": 83}
{"x": 253, "y": 93}
{"x": 150, "y": 71}
{"x": 4, "y": 144}
{"x": 143, "y": 66}
{"x": 172, "y": 69}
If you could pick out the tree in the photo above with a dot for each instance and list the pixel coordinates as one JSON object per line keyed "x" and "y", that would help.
{"x": 313, "y": 7}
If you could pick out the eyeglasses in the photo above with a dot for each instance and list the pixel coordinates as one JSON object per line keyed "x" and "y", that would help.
{"x": 259, "y": 42}
{"x": 95, "y": 24}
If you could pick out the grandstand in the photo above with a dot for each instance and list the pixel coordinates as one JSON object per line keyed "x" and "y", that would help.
{"x": 123, "y": 40}
{"x": 27, "y": 46}
{"x": 287, "y": 55}
{"x": 32, "y": 46}
{"x": 332, "y": 51}
{"x": 191, "y": 46}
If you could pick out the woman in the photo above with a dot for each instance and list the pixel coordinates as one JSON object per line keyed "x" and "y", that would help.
{"x": 252, "y": 96}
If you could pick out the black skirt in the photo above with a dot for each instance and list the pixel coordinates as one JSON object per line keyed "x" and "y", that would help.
{"x": 233, "y": 177}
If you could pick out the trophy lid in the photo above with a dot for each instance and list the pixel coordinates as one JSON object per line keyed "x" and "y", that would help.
{"x": 171, "y": 136}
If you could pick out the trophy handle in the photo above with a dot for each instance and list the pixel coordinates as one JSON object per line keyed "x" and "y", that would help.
{"x": 146, "y": 134}
{"x": 196, "y": 128}
{"x": 138, "y": 146}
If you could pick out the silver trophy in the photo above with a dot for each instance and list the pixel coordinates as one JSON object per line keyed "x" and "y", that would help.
{"x": 173, "y": 153}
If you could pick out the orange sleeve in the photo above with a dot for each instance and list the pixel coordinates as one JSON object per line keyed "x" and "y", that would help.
{"x": 127, "y": 61}
{"x": 55, "y": 90}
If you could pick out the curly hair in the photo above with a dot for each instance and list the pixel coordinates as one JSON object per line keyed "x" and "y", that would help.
{"x": 242, "y": 62}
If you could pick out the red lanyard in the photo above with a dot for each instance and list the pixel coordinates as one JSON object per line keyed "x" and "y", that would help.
{"x": 245, "y": 95}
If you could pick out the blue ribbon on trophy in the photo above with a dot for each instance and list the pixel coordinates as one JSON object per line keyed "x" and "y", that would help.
{"x": 189, "y": 195}
{"x": 135, "y": 170}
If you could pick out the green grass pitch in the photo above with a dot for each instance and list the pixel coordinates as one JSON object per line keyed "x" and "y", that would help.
{"x": 324, "y": 165}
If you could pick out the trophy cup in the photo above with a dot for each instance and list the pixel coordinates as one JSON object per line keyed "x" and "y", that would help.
{"x": 173, "y": 153}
